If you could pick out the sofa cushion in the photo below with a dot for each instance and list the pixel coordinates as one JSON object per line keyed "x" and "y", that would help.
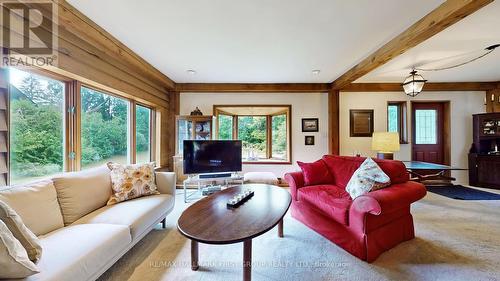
{"x": 330, "y": 199}
{"x": 14, "y": 261}
{"x": 396, "y": 170}
{"x": 260, "y": 177}
{"x": 366, "y": 178}
{"x": 138, "y": 214}
{"x": 15, "y": 224}
{"x": 80, "y": 193}
{"x": 37, "y": 205}
{"x": 316, "y": 173}
{"x": 77, "y": 252}
{"x": 343, "y": 167}
{"x": 131, "y": 181}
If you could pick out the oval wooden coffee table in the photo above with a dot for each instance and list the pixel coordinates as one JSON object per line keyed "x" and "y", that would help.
{"x": 210, "y": 221}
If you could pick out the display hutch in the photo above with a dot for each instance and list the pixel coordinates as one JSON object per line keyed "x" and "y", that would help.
{"x": 189, "y": 127}
{"x": 484, "y": 157}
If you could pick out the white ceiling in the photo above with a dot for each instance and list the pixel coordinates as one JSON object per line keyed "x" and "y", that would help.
{"x": 473, "y": 33}
{"x": 255, "y": 41}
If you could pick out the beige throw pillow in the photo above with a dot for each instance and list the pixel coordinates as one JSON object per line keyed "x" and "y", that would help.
{"x": 14, "y": 261}
{"x": 366, "y": 178}
{"x": 15, "y": 224}
{"x": 131, "y": 181}
{"x": 80, "y": 193}
{"x": 37, "y": 204}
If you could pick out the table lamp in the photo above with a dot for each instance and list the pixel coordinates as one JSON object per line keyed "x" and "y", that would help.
{"x": 385, "y": 143}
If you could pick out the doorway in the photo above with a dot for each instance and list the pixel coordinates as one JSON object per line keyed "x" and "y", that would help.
{"x": 431, "y": 132}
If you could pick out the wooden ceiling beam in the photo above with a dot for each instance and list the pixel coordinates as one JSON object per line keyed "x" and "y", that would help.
{"x": 429, "y": 87}
{"x": 439, "y": 19}
{"x": 252, "y": 88}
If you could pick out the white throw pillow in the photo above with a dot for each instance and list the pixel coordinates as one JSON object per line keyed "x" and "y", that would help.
{"x": 15, "y": 224}
{"x": 14, "y": 261}
{"x": 366, "y": 178}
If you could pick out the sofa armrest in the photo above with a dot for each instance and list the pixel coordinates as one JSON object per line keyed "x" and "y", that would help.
{"x": 389, "y": 199}
{"x": 165, "y": 181}
{"x": 295, "y": 180}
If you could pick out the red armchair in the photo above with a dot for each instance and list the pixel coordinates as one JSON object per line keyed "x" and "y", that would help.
{"x": 366, "y": 226}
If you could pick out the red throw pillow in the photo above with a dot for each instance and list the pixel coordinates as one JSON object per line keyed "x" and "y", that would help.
{"x": 315, "y": 173}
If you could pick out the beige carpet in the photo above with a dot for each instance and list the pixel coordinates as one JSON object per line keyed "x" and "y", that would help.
{"x": 456, "y": 240}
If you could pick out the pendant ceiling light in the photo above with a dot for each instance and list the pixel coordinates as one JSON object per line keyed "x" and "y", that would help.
{"x": 413, "y": 84}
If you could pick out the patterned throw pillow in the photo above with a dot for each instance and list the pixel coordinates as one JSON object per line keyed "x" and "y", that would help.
{"x": 366, "y": 178}
{"x": 131, "y": 181}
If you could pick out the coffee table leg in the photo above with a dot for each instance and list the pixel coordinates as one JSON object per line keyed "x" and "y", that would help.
{"x": 194, "y": 255}
{"x": 280, "y": 228}
{"x": 247, "y": 260}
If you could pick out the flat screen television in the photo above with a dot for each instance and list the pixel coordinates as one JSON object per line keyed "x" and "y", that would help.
{"x": 212, "y": 156}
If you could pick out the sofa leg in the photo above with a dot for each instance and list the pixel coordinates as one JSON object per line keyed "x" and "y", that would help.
{"x": 164, "y": 223}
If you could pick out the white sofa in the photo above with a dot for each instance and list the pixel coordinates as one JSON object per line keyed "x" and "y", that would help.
{"x": 81, "y": 237}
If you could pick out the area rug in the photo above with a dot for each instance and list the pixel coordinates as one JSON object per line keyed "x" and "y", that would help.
{"x": 455, "y": 240}
{"x": 461, "y": 192}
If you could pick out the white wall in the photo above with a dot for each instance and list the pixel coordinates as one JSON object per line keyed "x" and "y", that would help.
{"x": 304, "y": 105}
{"x": 462, "y": 105}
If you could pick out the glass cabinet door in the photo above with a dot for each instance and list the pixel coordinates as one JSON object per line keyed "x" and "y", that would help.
{"x": 192, "y": 128}
{"x": 203, "y": 130}
{"x": 184, "y": 132}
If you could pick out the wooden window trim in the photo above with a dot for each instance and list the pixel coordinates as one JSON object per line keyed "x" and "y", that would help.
{"x": 73, "y": 126}
{"x": 217, "y": 110}
{"x": 131, "y": 132}
{"x": 152, "y": 131}
{"x": 402, "y": 120}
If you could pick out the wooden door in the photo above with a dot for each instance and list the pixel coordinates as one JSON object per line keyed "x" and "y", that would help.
{"x": 427, "y": 132}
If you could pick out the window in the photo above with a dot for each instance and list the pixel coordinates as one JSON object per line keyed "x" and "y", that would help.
{"x": 425, "y": 126}
{"x": 36, "y": 126}
{"x": 51, "y": 124}
{"x": 143, "y": 134}
{"x": 279, "y": 137}
{"x": 396, "y": 119}
{"x": 252, "y": 133}
{"x": 104, "y": 126}
{"x": 263, "y": 129}
{"x": 225, "y": 130}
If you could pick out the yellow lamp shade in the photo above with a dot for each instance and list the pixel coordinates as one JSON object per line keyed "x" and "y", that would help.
{"x": 385, "y": 142}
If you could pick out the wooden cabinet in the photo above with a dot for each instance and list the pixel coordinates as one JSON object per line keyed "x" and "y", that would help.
{"x": 189, "y": 127}
{"x": 484, "y": 170}
{"x": 484, "y": 159}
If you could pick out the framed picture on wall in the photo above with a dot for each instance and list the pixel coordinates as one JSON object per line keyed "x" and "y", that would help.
{"x": 310, "y": 124}
{"x": 361, "y": 122}
{"x": 309, "y": 140}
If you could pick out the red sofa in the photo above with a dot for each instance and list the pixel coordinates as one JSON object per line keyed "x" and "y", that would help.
{"x": 366, "y": 226}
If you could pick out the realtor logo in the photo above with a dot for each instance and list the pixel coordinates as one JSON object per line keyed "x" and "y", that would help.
{"x": 29, "y": 32}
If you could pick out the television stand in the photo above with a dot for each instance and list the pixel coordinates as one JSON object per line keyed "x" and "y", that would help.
{"x": 201, "y": 182}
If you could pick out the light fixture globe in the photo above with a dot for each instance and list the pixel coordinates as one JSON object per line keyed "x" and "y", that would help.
{"x": 413, "y": 84}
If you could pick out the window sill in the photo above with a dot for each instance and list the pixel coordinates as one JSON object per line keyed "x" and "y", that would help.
{"x": 267, "y": 162}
